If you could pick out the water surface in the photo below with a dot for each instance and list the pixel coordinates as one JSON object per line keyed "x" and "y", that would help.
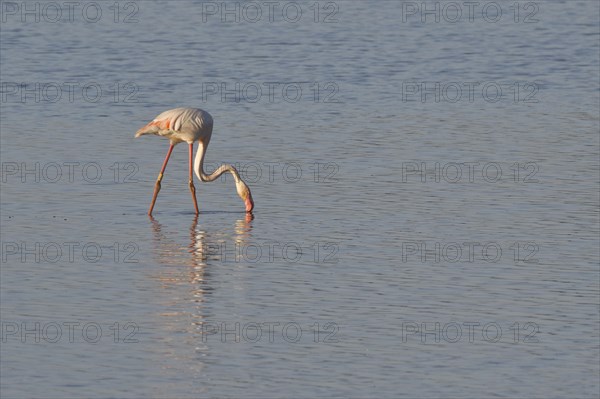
{"x": 351, "y": 257}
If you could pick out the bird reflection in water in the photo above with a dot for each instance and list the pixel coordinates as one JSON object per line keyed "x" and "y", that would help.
{"x": 185, "y": 274}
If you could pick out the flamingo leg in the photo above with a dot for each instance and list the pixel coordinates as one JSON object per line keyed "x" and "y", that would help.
{"x": 160, "y": 176}
{"x": 191, "y": 183}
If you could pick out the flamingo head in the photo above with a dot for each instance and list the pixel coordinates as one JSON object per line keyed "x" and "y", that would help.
{"x": 245, "y": 195}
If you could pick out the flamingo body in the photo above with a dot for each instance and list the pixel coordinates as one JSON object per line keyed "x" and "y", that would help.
{"x": 181, "y": 125}
{"x": 190, "y": 125}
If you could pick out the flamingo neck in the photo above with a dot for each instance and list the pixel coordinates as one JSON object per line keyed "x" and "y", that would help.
{"x": 199, "y": 167}
{"x": 241, "y": 187}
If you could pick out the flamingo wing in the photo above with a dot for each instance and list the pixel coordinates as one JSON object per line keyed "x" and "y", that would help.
{"x": 177, "y": 121}
{"x": 166, "y": 121}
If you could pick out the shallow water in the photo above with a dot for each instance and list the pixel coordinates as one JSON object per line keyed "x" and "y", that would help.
{"x": 376, "y": 217}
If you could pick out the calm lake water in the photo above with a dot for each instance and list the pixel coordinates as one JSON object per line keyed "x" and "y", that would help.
{"x": 427, "y": 194}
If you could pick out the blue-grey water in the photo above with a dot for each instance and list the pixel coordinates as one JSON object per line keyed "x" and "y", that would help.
{"x": 416, "y": 234}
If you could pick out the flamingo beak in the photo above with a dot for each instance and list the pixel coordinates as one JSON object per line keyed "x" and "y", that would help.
{"x": 249, "y": 203}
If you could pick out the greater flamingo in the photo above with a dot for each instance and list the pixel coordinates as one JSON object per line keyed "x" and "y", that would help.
{"x": 190, "y": 125}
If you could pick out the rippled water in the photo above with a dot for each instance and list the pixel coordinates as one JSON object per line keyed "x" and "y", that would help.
{"x": 364, "y": 236}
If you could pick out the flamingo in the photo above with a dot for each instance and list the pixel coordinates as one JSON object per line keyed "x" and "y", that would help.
{"x": 190, "y": 125}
